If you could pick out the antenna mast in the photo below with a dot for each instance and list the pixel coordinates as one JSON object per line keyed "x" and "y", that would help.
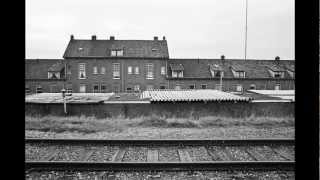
{"x": 246, "y": 30}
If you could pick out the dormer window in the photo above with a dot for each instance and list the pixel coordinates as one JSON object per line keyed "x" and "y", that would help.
{"x": 278, "y": 74}
{"x": 216, "y": 70}
{"x": 117, "y": 52}
{"x": 276, "y": 71}
{"x": 56, "y": 71}
{"x": 176, "y": 70}
{"x": 238, "y": 71}
{"x": 239, "y": 74}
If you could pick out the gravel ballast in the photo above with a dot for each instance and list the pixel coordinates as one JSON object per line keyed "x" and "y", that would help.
{"x": 164, "y": 175}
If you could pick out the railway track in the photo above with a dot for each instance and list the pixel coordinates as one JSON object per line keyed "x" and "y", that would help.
{"x": 164, "y": 155}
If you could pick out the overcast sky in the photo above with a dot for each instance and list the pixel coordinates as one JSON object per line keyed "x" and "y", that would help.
{"x": 193, "y": 28}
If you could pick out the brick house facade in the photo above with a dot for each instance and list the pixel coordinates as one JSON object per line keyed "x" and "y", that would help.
{"x": 136, "y": 65}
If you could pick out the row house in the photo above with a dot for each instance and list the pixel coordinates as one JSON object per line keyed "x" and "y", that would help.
{"x": 99, "y": 66}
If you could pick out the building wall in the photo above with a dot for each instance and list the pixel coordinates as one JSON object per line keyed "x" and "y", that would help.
{"x": 126, "y": 80}
{"x": 230, "y": 84}
{"x": 50, "y": 86}
{"x": 168, "y": 110}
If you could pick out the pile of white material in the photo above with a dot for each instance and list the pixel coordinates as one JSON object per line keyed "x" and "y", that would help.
{"x": 283, "y": 94}
{"x": 191, "y": 95}
{"x": 74, "y": 98}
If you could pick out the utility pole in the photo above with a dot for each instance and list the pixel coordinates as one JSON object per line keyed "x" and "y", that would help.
{"x": 246, "y": 30}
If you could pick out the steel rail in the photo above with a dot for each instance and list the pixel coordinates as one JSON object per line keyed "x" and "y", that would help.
{"x": 174, "y": 166}
{"x": 176, "y": 142}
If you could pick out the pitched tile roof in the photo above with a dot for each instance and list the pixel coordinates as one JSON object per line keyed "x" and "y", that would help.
{"x": 199, "y": 68}
{"x": 131, "y": 48}
{"x": 176, "y": 67}
{"x": 274, "y": 67}
{"x": 56, "y": 67}
{"x": 191, "y": 95}
{"x": 215, "y": 67}
{"x": 238, "y": 67}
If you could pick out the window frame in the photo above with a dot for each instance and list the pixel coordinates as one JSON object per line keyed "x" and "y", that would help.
{"x": 116, "y": 66}
{"x": 102, "y": 70}
{"x": 136, "y": 88}
{"x": 136, "y": 70}
{"x": 277, "y": 85}
{"x": 239, "y": 85}
{"x": 149, "y": 71}
{"x": 105, "y": 88}
{"x": 178, "y": 85}
{"x": 39, "y": 87}
{"x": 194, "y": 86}
{"x": 116, "y": 52}
{"x": 130, "y": 70}
{"x": 93, "y": 88}
{"x": 83, "y": 70}
{"x": 204, "y": 85}
{"x": 163, "y": 70}
{"x": 95, "y": 70}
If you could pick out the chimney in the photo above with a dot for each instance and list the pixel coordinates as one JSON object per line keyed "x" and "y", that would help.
{"x": 164, "y": 38}
{"x": 277, "y": 58}
{"x": 93, "y": 37}
{"x": 155, "y": 38}
{"x": 111, "y": 37}
{"x": 222, "y": 57}
{"x": 71, "y": 37}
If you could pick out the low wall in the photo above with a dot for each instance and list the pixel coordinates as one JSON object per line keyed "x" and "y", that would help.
{"x": 181, "y": 109}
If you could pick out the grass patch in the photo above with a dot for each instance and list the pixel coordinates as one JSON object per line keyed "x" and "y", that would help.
{"x": 88, "y": 125}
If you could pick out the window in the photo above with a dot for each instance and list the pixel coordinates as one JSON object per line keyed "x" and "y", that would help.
{"x": 174, "y": 74}
{"x": 279, "y": 74}
{"x": 95, "y": 88}
{"x": 149, "y": 67}
{"x": 252, "y": 86}
{"x": 53, "y": 75}
{"x": 69, "y": 88}
{"x": 116, "y": 70}
{"x": 203, "y": 86}
{"x": 129, "y": 69}
{"x": 180, "y": 74}
{"x": 163, "y": 70}
{"x": 239, "y": 74}
{"x": 277, "y": 87}
{"x": 82, "y": 88}
{"x": 95, "y": 70}
{"x": 103, "y": 88}
{"x": 69, "y": 69}
{"x": 136, "y": 87}
{"x": 27, "y": 89}
{"x": 117, "y": 52}
{"x": 39, "y": 89}
{"x": 192, "y": 86}
{"x": 149, "y": 87}
{"x": 217, "y": 73}
{"x": 103, "y": 70}
{"x": 136, "y": 70}
{"x": 82, "y": 71}
{"x": 178, "y": 87}
{"x": 162, "y": 87}
{"x": 239, "y": 88}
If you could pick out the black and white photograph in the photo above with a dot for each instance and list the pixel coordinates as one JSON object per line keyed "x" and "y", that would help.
{"x": 160, "y": 90}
